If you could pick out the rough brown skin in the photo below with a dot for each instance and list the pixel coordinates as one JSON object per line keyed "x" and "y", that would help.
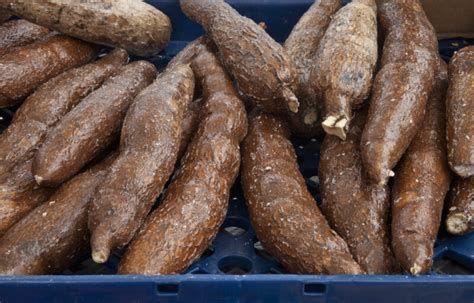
{"x": 133, "y": 25}
{"x": 22, "y": 71}
{"x": 187, "y": 54}
{"x": 345, "y": 62}
{"x": 301, "y": 46}
{"x": 260, "y": 66}
{"x": 49, "y": 103}
{"x": 460, "y": 219}
{"x": 189, "y": 125}
{"x": 195, "y": 204}
{"x": 19, "y": 33}
{"x": 149, "y": 146}
{"x": 460, "y": 113}
{"x": 91, "y": 126}
{"x": 357, "y": 210}
{"x": 54, "y": 235}
{"x": 284, "y": 215}
{"x": 401, "y": 87}
{"x": 422, "y": 181}
{"x": 19, "y": 194}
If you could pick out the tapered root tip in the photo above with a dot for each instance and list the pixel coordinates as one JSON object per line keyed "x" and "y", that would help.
{"x": 290, "y": 99}
{"x": 39, "y": 179}
{"x": 100, "y": 244}
{"x": 457, "y": 224}
{"x": 100, "y": 256}
{"x": 415, "y": 269}
{"x": 336, "y": 126}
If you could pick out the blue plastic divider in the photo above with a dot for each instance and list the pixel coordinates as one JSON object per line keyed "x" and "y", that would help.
{"x": 236, "y": 268}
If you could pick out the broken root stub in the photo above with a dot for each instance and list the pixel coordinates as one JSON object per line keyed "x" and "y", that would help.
{"x": 336, "y": 126}
{"x": 457, "y": 224}
{"x": 290, "y": 99}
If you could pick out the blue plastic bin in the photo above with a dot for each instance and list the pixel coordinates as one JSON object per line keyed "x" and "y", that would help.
{"x": 236, "y": 269}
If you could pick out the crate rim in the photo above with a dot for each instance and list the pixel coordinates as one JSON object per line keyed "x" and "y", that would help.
{"x": 59, "y": 279}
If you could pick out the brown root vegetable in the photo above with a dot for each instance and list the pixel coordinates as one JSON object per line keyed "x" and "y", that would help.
{"x": 19, "y": 194}
{"x": 190, "y": 121}
{"x": 357, "y": 210}
{"x": 54, "y": 235}
{"x": 460, "y": 113}
{"x": 149, "y": 148}
{"x": 344, "y": 64}
{"x": 189, "y": 125}
{"x": 91, "y": 126}
{"x": 460, "y": 219}
{"x": 49, "y": 103}
{"x": 284, "y": 215}
{"x": 133, "y": 25}
{"x": 422, "y": 181}
{"x": 301, "y": 46}
{"x": 187, "y": 54}
{"x": 22, "y": 71}
{"x": 195, "y": 204}
{"x": 19, "y": 33}
{"x": 401, "y": 87}
{"x": 260, "y": 66}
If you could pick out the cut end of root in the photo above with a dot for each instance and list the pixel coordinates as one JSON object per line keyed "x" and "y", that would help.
{"x": 100, "y": 256}
{"x": 464, "y": 171}
{"x": 415, "y": 269}
{"x": 39, "y": 179}
{"x": 310, "y": 118}
{"x": 336, "y": 126}
{"x": 457, "y": 224}
{"x": 290, "y": 99}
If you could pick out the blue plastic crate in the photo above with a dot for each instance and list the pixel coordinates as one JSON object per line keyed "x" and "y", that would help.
{"x": 236, "y": 268}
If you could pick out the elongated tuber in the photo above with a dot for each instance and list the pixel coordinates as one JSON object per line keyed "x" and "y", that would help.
{"x": 17, "y": 33}
{"x": 460, "y": 219}
{"x": 195, "y": 204}
{"x": 22, "y": 71}
{"x": 345, "y": 63}
{"x": 48, "y": 105}
{"x": 284, "y": 215}
{"x": 301, "y": 46}
{"x": 401, "y": 87}
{"x": 422, "y": 181}
{"x": 91, "y": 126}
{"x": 260, "y": 66}
{"x": 460, "y": 113}
{"x": 133, "y": 25}
{"x": 356, "y": 209}
{"x": 149, "y": 146}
